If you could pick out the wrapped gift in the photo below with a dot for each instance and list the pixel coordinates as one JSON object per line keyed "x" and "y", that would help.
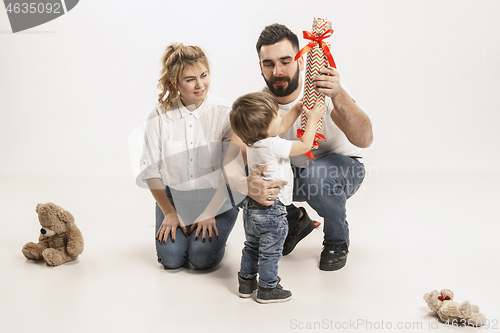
{"x": 318, "y": 56}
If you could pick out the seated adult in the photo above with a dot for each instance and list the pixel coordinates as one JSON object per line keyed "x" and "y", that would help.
{"x": 186, "y": 137}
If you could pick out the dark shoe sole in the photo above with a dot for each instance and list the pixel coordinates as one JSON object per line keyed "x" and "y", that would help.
{"x": 268, "y": 301}
{"x": 247, "y": 295}
{"x": 331, "y": 267}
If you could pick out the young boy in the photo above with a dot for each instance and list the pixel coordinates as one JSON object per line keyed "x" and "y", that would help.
{"x": 257, "y": 121}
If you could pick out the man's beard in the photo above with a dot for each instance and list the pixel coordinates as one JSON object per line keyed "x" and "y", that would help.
{"x": 280, "y": 91}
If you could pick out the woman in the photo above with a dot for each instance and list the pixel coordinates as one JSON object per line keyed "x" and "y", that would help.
{"x": 187, "y": 134}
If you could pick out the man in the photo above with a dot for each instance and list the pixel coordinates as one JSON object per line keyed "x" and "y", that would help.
{"x": 326, "y": 182}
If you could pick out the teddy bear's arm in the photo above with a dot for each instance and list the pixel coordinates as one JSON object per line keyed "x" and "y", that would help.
{"x": 43, "y": 241}
{"x": 75, "y": 242}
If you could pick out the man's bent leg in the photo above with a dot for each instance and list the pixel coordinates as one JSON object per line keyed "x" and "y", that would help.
{"x": 326, "y": 184}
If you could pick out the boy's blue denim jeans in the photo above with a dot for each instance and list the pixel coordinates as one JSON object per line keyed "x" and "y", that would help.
{"x": 265, "y": 231}
{"x": 202, "y": 255}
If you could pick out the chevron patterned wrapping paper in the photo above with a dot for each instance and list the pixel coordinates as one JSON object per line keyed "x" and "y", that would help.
{"x": 315, "y": 60}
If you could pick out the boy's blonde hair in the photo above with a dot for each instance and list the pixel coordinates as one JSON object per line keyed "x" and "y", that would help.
{"x": 176, "y": 58}
{"x": 251, "y": 116}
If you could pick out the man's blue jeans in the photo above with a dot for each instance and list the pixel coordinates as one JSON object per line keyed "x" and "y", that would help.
{"x": 202, "y": 255}
{"x": 325, "y": 185}
{"x": 265, "y": 231}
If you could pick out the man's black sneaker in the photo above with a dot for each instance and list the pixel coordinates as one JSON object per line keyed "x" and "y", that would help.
{"x": 334, "y": 257}
{"x": 248, "y": 287}
{"x": 273, "y": 295}
{"x": 304, "y": 227}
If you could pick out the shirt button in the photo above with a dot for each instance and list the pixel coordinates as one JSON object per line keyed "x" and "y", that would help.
{"x": 191, "y": 142}
{"x": 190, "y": 125}
{"x": 191, "y": 160}
{"x": 191, "y": 176}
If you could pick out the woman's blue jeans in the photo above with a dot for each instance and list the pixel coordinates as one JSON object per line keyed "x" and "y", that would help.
{"x": 265, "y": 231}
{"x": 202, "y": 255}
{"x": 325, "y": 185}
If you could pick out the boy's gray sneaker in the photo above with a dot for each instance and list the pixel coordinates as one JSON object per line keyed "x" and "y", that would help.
{"x": 273, "y": 295}
{"x": 248, "y": 287}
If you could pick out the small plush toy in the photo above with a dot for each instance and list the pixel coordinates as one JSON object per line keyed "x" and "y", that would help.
{"x": 60, "y": 240}
{"x": 452, "y": 312}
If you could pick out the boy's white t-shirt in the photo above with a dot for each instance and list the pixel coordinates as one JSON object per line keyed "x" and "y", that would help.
{"x": 275, "y": 153}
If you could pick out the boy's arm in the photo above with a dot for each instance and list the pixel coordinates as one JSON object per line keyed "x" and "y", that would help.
{"x": 305, "y": 143}
{"x": 290, "y": 117}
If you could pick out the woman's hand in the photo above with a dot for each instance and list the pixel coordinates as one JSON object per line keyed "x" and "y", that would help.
{"x": 203, "y": 227}
{"x": 169, "y": 226}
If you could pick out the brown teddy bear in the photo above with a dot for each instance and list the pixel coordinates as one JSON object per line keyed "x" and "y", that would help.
{"x": 451, "y": 312}
{"x": 60, "y": 240}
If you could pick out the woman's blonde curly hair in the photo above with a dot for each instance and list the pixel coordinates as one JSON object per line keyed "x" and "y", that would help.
{"x": 176, "y": 58}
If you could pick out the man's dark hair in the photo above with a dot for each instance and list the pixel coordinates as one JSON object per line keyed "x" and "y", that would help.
{"x": 275, "y": 33}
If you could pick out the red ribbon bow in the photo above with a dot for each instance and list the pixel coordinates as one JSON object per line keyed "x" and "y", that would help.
{"x": 441, "y": 298}
{"x": 315, "y": 41}
{"x": 300, "y": 133}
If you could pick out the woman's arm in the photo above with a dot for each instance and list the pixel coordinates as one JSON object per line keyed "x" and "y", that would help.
{"x": 171, "y": 220}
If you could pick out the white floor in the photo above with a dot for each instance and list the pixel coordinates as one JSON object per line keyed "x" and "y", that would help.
{"x": 411, "y": 232}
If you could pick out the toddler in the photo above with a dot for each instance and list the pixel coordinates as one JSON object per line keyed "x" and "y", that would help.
{"x": 257, "y": 121}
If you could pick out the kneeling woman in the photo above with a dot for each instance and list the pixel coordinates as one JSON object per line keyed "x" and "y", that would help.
{"x": 186, "y": 137}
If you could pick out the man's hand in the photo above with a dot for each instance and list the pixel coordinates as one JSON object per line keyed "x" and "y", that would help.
{"x": 262, "y": 191}
{"x": 328, "y": 82}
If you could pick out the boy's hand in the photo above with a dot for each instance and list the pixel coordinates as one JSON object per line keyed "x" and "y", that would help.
{"x": 316, "y": 112}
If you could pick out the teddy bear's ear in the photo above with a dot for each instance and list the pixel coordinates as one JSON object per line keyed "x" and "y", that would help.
{"x": 65, "y": 216}
{"x": 447, "y": 293}
{"x": 38, "y": 207}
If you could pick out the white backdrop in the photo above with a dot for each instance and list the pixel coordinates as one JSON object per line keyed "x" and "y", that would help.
{"x": 426, "y": 72}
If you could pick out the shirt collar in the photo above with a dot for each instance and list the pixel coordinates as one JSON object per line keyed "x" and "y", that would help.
{"x": 185, "y": 112}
